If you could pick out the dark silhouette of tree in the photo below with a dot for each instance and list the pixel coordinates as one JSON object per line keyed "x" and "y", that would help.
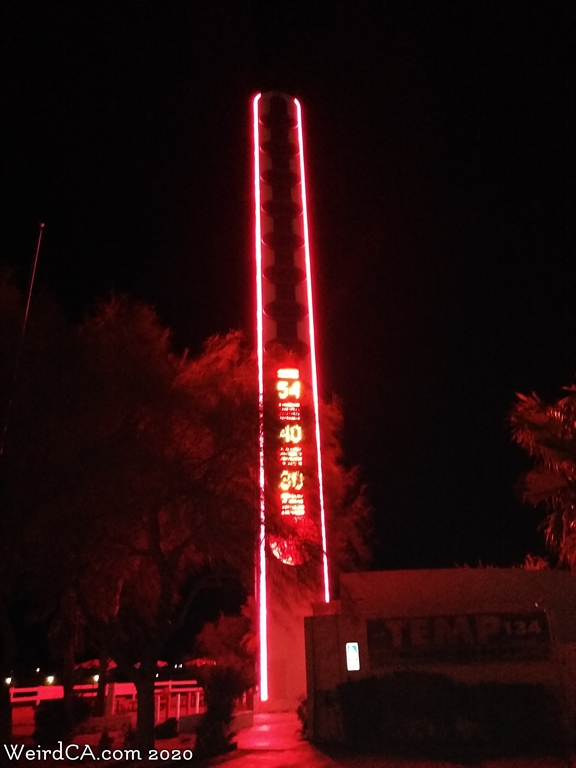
{"x": 169, "y": 476}
{"x": 230, "y": 641}
{"x": 132, "y": 485}
{"x": 128, "y": 481}
{"x": 548, "y": 433}
{"x": 28, "y": 413}
{"x": 349, "y": 511}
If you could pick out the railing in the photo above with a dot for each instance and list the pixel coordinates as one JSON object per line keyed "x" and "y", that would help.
{"x": 173, "y": 698}
{"x": 34, "y": 696}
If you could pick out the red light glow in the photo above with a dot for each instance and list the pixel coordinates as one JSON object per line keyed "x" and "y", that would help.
{"x": 261, "y": 579}
{"x": 285, "y": 338}
{"x": 313, "y": 354}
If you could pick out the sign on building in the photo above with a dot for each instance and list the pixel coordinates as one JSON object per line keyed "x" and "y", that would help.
{"x": 458, "y": 638}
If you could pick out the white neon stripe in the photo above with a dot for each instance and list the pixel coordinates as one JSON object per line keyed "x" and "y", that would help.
{"x": 262, "y": 592}
{"x": 313, "y": 356}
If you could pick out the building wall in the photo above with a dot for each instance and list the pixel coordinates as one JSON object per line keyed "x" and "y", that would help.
{"x": 416, "y": 598}
{"x": 324, "y": 670}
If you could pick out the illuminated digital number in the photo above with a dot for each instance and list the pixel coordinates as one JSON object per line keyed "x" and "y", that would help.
{"x": 291, "y": 433}
{"x": 288, "y": 389}
{"x": 289, "y": 480}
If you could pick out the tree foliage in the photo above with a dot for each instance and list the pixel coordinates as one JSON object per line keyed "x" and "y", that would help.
{"x": 127, "y": 477}
{"x": 230, "y": 641}
{"x": 174, "y": 497}
{"x": 348, "y": 508}
{"x": 32, "y": 369}
{"x": 548, "y": 433}
{"x": 130, "y": 480}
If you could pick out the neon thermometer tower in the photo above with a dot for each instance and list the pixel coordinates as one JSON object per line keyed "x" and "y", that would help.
{"x": 292, "y": 514}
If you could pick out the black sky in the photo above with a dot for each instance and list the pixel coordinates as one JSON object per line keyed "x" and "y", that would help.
{"x": 441, "y": 164}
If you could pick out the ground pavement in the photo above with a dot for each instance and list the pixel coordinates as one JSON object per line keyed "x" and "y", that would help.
{"x": 274, "y": 742}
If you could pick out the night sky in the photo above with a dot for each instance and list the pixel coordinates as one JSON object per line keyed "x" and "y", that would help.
{"x": 440, "y": 143}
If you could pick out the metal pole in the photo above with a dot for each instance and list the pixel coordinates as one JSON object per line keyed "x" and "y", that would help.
{"x": 19, "y": 355}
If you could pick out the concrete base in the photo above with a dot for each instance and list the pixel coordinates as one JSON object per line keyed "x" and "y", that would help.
{"x": 286, "y": 654}
{"x": 271, "y": 732}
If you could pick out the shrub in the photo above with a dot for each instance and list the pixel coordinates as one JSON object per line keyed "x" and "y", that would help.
{"x": 222, "y": 686}
{"x": 431, "y": 715}
{"x": 167, "y": 730}
{"x": 302, "y": 713}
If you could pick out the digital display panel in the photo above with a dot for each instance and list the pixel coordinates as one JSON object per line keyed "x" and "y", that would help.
{"x": 291, "y": 481}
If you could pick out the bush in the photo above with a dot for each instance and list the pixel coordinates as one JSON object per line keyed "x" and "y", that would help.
{"x": 167, "y": 730}
{"x": 222, "y": 686}
{"x": 429, "y": 715}
{"x": 302, "y": 714}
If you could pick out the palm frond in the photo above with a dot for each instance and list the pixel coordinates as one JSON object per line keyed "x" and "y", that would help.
{"x": 548, "y": 433}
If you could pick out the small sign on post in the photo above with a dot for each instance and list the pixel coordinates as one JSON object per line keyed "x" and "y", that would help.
{"x": 352, "y": 657}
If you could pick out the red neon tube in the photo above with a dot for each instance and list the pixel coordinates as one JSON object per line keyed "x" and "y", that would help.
{"x": 313, "y": 357}
{"x": 262, "y": 587}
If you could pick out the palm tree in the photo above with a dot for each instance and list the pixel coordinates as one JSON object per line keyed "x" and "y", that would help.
{"x": 548, "y": 432}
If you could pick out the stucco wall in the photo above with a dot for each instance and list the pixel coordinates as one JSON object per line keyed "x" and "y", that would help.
{"x": 408, "y": 595}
